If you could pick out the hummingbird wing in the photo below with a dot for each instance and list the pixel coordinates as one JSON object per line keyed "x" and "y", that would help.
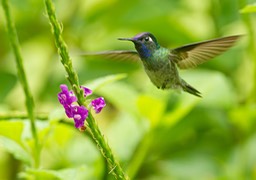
{"x": 191, "y": 55}
{"x": 116, "y": 55}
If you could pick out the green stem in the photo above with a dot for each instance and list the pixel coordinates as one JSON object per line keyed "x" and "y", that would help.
{"x": 105, "y": 171}
{"x": 21, "y": 115}
{"x": 103, "y": 146}
{"x": 140, "y": 154}
{"x": 249, "y": 22}
{"x": 251, "y": 51}
{"x": 22, "y": 76}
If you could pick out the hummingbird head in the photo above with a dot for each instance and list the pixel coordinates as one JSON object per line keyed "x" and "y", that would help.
{"x": 145, "y": 44}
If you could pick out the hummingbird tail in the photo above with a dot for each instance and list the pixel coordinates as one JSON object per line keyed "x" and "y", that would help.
{"x": 187, "y": 88}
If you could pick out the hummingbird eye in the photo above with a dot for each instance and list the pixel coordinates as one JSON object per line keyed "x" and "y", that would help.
{"x": 147, "y": 38}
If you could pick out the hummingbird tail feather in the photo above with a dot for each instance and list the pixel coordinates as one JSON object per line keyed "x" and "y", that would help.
{"x": 187, "y": 88}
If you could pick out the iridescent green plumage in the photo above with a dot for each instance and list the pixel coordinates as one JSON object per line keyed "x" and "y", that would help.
{"x": 161, "y": 63}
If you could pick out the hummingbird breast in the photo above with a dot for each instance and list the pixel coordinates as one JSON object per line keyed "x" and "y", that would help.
{"x": 161, "y": 70}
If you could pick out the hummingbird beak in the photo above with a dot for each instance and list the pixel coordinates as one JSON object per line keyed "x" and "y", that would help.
{"x": 126, "y": 39}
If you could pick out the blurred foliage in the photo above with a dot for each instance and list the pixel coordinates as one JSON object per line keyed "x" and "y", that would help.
{"x": 155, "y": 134}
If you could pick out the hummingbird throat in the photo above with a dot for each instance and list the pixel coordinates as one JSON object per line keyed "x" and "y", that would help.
{"x": 143, "y": 51}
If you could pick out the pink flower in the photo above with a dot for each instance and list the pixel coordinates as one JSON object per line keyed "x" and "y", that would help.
{"x": 98, "y": 104}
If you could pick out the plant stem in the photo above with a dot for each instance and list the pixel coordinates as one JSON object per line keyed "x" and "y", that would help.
{"x": 250, "y": 24}
{"x": 140, "y": 154}
{"x": 251, "y": 50}
{"x": 22, "y": 76}
{"x": 21, "y": 115}
{"x": 103, "y": 146}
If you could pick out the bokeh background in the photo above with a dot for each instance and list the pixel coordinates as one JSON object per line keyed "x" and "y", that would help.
{"x": 155, "y": 134}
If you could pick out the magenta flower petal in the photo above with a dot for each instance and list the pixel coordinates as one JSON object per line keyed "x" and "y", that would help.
{"x": 87, "y": 91}
{"x": 80, "y": 113}
{"x": 98, "y": 104}
{"x": 66, "y": 97}
{"x": 69, "y": 109}
{"x": 64, "y": 87}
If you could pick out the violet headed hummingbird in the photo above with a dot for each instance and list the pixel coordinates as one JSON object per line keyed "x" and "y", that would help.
{"x": 161, "y": 64}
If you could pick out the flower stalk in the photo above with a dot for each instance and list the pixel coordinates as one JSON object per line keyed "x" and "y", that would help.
{"x": 22, "y": 76}
{"x": 72, "y": 77}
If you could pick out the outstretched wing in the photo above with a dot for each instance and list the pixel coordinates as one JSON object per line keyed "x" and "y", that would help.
{"x": 191, "y": 55}
{"x": 116, "y": 55}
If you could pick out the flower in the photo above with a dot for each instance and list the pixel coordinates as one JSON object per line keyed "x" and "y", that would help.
{"x": 69, "y": 110}
{"x": 66, "y": 97}
{"x": 80, "y": 114}
{"x": 87, "y": 91}
{"x": 98, "y": 104}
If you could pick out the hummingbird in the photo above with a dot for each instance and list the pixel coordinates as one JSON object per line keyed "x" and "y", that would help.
{"x": 161, "y": 64}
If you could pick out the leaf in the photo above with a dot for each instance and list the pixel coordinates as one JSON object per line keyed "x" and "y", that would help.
{"x": 193, "y": 167}
{"x": 14, "y": 148}
{"x": 12, "y": 130}
{"x": 151, "y": 107}
{"x": 243, "y": 117}
{"x": 251, "y": 8}
{"x": 124, "y": 132}
{"x": 209, "y": 83}
{"x": 118, "y": 93}
{"x": 216, "y": 88}
{"x": 122, "y": 96}
{"x": 79, "y": 173}
{"x": 38, "y": 174}
{"x": 10, "y": 138}
{"x": 98, "y": 83}
{"x": 184, "y": 106}
{"x": 8, "y": 81}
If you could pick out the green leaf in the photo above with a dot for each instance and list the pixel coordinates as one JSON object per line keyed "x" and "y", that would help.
{"x": 251, "y": 8}
{"x": 14, "y": 148}
{"x": 151, "y": 107}
{"x": 98, "y": 83}
{"x": 12, "y": 129}
{"x": 122, "y": 96}
{"x": 8, "y": 81}
{"x": 243, "y": 117}
{"x": 184, "y": 106}
{"x": 193, "y": 167}
{"x": 118, "y": 93}
{"x": 212, "y": 96}
{"x": 216, "y": 88}
{"x": 79, "y": 173}
{"x": 125, "y": 132}
{"x": 11, "y": 133}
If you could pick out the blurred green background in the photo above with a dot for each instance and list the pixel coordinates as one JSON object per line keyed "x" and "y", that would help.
{"x": 155, "y": 134}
